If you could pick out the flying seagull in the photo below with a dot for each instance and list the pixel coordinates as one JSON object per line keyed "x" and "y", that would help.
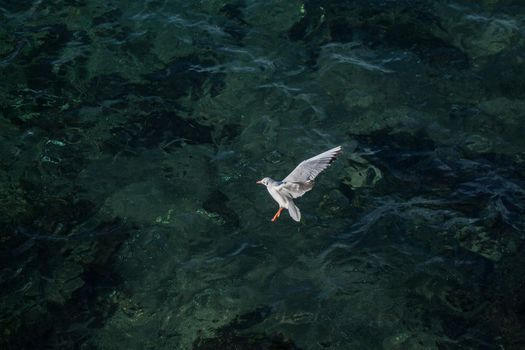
{"x": 298, "y": 182}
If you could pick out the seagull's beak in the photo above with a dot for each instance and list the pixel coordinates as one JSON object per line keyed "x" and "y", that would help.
{"x": 259, "y": 182}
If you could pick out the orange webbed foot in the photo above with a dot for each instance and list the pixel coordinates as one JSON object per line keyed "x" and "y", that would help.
{"x": 277, "y": 214}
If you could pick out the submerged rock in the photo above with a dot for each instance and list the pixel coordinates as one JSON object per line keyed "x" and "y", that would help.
{"x": 14, "y": 207}
{"x": 361, "y": 173}
{"x": 274, "y": 16}
{"x": 410, "y": 341}
{"x": 64, "y": 282}
{"x": 235, "y": 336}
{"x": 481, "y": 36}
{"x": 7, "y": 47}
{"x": 479, "y": 241}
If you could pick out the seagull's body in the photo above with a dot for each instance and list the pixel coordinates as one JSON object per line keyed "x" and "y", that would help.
{"x": 298, "y": 182}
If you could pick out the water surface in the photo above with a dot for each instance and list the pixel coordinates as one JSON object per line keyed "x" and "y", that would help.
{"x": 132, "y": 134}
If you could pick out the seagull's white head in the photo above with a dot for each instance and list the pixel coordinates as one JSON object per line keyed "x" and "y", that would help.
{"x": 264, "y": 181}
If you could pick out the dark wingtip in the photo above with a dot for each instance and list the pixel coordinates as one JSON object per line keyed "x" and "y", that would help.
{"x": 336, "y": 154}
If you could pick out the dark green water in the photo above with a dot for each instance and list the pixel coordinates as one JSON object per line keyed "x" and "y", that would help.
{"x": 132, "y": 134}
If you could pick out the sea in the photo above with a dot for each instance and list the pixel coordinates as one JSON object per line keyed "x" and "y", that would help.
{"x": 132, "y": 134}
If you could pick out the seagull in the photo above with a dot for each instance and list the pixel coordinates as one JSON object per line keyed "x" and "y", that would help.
{"x": 298, "y": 182}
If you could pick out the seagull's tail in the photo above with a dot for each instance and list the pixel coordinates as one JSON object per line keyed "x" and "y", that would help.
{"x": 295, "y": 213}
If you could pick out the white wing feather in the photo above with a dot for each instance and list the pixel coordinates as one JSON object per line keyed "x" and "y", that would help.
{"x": 295, "y": 189}
{"x": 308, "y": 169}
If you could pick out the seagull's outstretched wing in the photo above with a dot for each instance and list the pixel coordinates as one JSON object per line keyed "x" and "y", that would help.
{"x": 308, "y": 169}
